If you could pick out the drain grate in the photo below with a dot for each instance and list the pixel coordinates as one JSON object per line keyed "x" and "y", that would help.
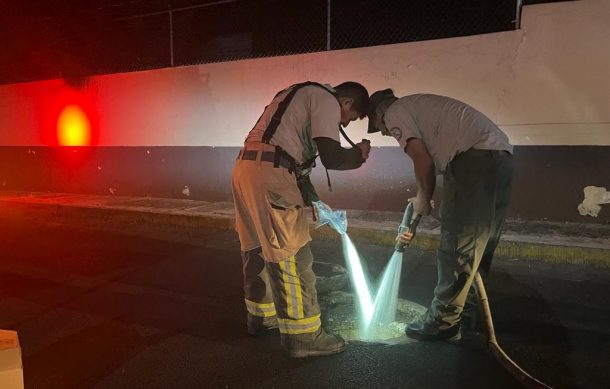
{"x": 339, "y": 316}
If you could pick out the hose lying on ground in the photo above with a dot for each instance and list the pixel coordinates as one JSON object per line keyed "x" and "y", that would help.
{"x": 521, "y": 375}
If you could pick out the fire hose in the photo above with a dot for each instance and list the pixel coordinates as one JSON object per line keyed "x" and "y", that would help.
{"x": 515, "y": 370}
{"x": 409, "y": 223}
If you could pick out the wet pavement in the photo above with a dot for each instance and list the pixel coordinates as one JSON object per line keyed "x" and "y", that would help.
{"x": 122, "y": 303}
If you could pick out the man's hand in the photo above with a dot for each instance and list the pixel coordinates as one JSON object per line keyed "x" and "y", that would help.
{"x": 421, "y": 206}
{"x": 365, "y": 148}
{"x": 405, "y": 237}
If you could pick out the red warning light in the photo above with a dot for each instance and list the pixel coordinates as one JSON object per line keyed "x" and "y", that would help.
{"x": 69, "y": 116}
{"x": 73, "y": 127}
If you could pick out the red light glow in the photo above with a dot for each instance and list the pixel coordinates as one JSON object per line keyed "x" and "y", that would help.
{"x": 73, "y": 127}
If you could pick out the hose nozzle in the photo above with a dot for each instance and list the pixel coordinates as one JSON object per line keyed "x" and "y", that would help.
{"x": 409, "y": 223}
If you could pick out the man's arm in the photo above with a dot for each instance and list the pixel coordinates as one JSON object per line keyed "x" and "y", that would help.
{"x": 424, "y": 174}
{"x": 335, "y": 157}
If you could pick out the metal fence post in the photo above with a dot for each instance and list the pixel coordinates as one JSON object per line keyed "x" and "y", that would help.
{"x": 519, "y": 5}
{"x": 328, "y": 7}
{"x": 171, "y": 37}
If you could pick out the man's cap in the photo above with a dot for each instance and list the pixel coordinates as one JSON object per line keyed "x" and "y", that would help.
{"x": 374, "y": 101}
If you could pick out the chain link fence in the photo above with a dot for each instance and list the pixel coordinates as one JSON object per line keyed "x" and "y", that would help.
{"x": 79, "y": 39}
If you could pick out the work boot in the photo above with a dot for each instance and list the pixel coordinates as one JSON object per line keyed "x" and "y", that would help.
{"x": 425, "y": 330}
{"x": 313, "y": 345}
{"x": 258, "y": 326}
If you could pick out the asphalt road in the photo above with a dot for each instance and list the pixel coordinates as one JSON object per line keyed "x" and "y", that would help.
{"x": 127, "y": 305}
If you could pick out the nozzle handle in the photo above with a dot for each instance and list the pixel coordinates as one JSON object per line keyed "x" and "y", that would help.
{"x": 410, "y": 221}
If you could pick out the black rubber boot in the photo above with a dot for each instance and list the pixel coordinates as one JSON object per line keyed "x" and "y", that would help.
{"x": 424, "y": 330}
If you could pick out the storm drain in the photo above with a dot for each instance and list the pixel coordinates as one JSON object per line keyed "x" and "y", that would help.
{"x": 339, "y": 308}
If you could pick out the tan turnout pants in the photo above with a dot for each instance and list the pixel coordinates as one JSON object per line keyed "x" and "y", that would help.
{"x": 286, "y": 289}
{"x": 274, "y": 236}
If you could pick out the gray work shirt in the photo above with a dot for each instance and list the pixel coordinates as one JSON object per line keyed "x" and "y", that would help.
{"x": 446, "y": 126}
{"x": 313, "y": 112}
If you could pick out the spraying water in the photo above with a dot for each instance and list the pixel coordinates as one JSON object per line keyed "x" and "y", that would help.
{"x": 386, "y": 299}
{"x": 359, "y": 282}
{"x": 381, "y": 310}
{"x": 338, "y": 221}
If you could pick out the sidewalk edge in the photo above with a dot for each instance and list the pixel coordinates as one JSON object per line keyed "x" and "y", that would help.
{"x": 570, "y": 254}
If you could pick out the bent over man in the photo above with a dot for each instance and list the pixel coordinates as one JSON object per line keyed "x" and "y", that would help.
{"x": 443, "y": 135}
{"x": 271, "y": 187}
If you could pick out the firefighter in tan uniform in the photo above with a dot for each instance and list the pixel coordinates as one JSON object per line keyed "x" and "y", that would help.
{"x": 271, "y": 187}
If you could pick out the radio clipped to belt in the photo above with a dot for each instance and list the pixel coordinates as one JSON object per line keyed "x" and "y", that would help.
{"x": 301, "y": 173}
{"x": 308, "y": 191}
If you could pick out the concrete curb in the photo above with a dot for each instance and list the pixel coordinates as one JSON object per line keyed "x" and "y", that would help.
{"x": 512, "y": 247}
{"x": 424, "y": 240}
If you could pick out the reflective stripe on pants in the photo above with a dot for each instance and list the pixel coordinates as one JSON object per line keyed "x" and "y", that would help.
{"x": 292, "y": 288}
{"x": 257, "y": 291}
{"x": 261, "y": 310}
{"x": 286, "y": 289}
{"x": 291, "y": 284}
{"x": 300, "y": 326}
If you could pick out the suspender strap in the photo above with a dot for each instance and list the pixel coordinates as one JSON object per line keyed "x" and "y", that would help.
{"x": 281, "y": 108}
{"x": 346, "y": 137}
{"x": 277, "y": 118}
{"x": 330, "y": 187}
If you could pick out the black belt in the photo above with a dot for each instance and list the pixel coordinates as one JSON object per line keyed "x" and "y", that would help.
{"x": 268, "y": 156}
{"x": 501, "y": 153}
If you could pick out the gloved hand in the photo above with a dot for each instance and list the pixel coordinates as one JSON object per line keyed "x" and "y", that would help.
{"x": 365, "y": 148}
{"x": 335, "y": 219}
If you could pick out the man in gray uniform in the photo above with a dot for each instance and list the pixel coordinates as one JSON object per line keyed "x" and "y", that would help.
{"x": 446, "y": 136}
{"x": 271, "y": 187}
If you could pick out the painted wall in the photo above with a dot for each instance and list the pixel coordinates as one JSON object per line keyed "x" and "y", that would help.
{"x": 545, "y": 85}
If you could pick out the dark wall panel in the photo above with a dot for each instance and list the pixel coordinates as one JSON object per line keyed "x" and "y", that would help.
{"x": 548, "y": 180}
